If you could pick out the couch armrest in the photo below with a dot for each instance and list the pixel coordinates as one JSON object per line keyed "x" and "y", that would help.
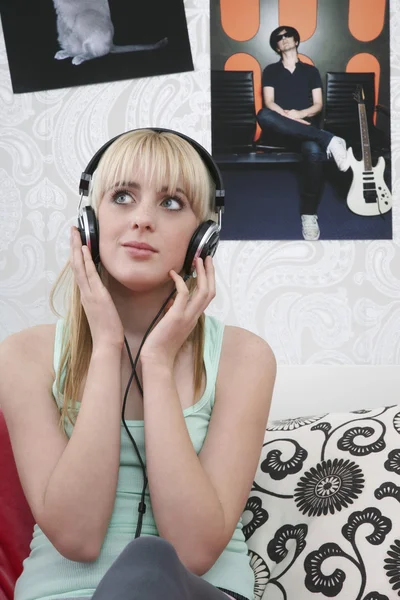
{"x": 16, "y": 519}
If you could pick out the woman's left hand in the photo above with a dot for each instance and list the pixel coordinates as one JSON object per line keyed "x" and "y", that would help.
{"x": 169, "y": 335}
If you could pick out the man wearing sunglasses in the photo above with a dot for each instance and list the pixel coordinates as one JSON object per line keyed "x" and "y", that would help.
{"x": 292, "y": 94}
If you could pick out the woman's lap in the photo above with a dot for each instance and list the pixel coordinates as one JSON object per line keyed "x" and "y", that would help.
{"x": 149, "y": 567}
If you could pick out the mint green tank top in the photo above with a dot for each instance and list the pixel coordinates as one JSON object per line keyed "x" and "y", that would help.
{"x": 47, "y": 575}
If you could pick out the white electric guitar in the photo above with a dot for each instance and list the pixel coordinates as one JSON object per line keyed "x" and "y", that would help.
{"x": 368, "y": 195}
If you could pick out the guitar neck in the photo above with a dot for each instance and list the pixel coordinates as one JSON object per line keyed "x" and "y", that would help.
{"x": 366, "y": 148}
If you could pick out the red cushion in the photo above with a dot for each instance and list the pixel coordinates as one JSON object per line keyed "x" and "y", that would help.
{"x": 16, "y": 520}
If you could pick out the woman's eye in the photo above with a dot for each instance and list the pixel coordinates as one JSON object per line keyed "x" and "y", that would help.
{"x": 173, "y": 203}
{"x": 121, "y": 197}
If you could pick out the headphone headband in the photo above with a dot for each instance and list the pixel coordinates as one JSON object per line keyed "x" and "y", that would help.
{"x": 206, "y": 156}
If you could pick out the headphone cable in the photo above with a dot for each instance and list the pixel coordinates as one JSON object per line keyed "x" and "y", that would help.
{"x": 142, "y": 504}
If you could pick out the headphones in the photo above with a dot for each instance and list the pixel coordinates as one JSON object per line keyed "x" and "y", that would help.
{"x": 204, "y": 241}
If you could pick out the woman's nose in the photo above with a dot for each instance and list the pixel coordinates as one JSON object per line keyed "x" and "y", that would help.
{"x": 143, "y": 216}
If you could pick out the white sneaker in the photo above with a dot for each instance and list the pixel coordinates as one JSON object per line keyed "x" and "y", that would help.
{"x": 310, "y": 227}
{"x": 337, "y": 149}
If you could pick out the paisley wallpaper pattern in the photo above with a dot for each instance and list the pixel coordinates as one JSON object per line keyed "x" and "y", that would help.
{"x": 330, "y": 302}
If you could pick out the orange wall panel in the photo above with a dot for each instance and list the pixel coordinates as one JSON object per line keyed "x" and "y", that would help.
{"x": 306, "y": 59}
{"x": 366, "y": 18}
{"x": 366, "y": 63}
{"x": 240, "y": 19}
{"x": 246, "y": 62}
{"x": 301, "y": 14}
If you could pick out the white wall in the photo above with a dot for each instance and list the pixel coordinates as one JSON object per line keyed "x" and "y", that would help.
{"x": 332, "y": 306}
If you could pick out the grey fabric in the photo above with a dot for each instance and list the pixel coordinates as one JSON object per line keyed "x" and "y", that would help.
{"x": 149, "y": 568}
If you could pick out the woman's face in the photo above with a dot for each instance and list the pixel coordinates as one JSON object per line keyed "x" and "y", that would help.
{"x": 138, "y": 213}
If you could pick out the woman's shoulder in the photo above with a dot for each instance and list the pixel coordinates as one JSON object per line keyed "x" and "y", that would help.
{"x": 247, "y": 370}
{"x": 31, "y": 335}
{"x": 241, "y": 346}
{"x": 33, "y": 343}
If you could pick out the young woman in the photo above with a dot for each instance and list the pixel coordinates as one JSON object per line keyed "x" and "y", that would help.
{"x": 198, "y": 426}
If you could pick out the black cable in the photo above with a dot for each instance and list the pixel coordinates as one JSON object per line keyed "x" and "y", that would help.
{"x": 142, "y": 504}
{"x": 131, "y": 361}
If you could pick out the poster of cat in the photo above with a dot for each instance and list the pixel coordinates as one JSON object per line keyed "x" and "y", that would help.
{"x": 63, "y": 43}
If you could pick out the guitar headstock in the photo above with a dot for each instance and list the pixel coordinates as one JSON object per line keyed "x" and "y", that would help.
{"x": 358, "y": 94}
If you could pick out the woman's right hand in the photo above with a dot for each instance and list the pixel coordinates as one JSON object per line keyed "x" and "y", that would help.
{"x": 103, "y": 318}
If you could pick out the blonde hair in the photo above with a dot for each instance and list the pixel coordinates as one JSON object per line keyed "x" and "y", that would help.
{"x": 160, "y": 157}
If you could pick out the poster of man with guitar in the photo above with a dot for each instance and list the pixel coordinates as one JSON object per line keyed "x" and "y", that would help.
{"x": 300, "y": 114}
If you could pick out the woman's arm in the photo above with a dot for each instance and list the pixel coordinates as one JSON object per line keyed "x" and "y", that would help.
{"x": 197, "y": 500}
{"x": 80, "y": 495}
{"x": 69, "y": 484}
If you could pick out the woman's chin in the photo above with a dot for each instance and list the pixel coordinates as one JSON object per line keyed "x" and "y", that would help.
{"x": 141, "y": 282}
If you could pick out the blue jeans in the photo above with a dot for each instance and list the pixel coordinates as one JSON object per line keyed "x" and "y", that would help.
{"x": 307, "y": 139}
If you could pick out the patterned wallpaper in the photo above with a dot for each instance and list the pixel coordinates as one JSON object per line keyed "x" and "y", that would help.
{"x": 330, "y": 302}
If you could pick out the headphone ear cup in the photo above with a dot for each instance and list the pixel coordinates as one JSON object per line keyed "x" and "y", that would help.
{"x": 211, "y": 245}
{"x": 204, "y": 242}
{"x": 89, "y": 231}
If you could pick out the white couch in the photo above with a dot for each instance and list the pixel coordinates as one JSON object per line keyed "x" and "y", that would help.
{"x": 323, "y": 517}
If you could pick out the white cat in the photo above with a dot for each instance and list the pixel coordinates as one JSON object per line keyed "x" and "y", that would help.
{"x": 85, "y": 31}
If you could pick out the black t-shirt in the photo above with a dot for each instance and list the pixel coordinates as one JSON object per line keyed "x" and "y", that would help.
{"x": 292, "y": 90}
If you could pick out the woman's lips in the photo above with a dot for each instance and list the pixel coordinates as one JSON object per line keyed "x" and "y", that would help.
{"x": 139, "y": 252}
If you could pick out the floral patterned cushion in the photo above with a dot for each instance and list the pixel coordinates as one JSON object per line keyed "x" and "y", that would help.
{"x": 323, "y": 517}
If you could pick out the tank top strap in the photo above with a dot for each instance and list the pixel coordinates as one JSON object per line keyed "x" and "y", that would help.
{"x": 214, "y": 333}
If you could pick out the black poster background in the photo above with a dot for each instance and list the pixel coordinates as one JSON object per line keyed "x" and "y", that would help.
{"x": 30, "y": 34}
